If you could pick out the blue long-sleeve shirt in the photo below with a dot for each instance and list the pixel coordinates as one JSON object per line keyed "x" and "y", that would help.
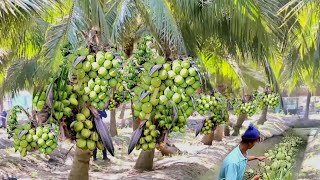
{"x": 234, "y": 166}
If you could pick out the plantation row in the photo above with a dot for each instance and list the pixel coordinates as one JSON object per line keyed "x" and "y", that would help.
{"x": 164, "y": 94}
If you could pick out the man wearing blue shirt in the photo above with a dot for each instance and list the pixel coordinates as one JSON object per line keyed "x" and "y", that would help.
{"x": 102, "y": 114}
{"x": 234, "y": 165}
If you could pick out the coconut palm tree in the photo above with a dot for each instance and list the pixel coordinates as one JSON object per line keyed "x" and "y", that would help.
{"x": 305, "y": 37}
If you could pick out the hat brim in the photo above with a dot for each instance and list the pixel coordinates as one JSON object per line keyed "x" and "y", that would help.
{"x": 259, "y": 138}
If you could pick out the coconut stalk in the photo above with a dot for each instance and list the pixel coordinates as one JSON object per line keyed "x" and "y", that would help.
{"x": 239, "y": 123}
{"x": 113, "y": 124}
{"x": 165, "y": 147}
{"x": 263, "y": 117}
{"x": 80, "y": 165}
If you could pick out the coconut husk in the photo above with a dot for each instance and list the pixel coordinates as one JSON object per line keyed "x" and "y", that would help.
{"x": 42, "y": 117}
{"x": 167, "y": 149}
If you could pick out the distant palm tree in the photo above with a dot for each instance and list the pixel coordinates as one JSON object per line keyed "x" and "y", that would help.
{"x": 304, "y": 46}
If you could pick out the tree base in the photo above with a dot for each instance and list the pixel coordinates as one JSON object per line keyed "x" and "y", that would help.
{"x": 113, "y": 124}
{"x": 226, "y": 130}
{"x": 80, "y": 165}
{"x": 207, "y": 139}
{"x": 263, "y": 117}
{"x": 145, "y": 161}
{"x": 239, "y": 123}
{"x": 235, "y": 133}
{"x": 218, "y": 133}
{"x": 123, "y": 121}
{"x": 168, "y": 150}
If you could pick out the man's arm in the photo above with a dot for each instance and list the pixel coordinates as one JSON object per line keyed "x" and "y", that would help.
{"x": 231, "y": 172}
{"x": 260, "y": 158}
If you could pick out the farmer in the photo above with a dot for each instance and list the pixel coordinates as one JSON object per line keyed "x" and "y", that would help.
{"x": 103, "y": 114}
{"x": 234, "y": 165}
{"x": 3, "y": 119}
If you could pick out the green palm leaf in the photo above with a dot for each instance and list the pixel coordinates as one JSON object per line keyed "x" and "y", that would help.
{"x": 122, "y": 19}
{"x": 70, "y": 28}
{"x": 17, "y": 8}
{"x": 162, "y": 24}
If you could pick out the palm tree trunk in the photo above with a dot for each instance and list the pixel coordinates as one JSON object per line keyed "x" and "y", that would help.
{"x": 227, "y": 129}
{"x": 263, "y": 117}
{"x": 218, "y": 133}
{"x": 306, "y": 113}
{"x": 113, "y": 124}
{"x": 207, "y": 139}
{"x": 123, "y": 121}
{"x": 145, "y": 161}
{"x": 239, "y": 123}
{"x": 80, "y": 165}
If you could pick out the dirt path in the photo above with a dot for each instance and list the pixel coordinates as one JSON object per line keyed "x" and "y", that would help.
{"x": 195, "y": 162}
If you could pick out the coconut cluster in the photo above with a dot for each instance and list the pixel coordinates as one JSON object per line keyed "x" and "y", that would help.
{"x": 148, "y": 139}
{"x": 269, "y": 100}
{"x": 27, "y": 139}
{"x": 39, "y": 100}
{"x": 248, "y": 108}
{"x": 166, "y": 89}
{"x": 281, "y": 159}
{"x": 65, "y": 99}
{"x": 214, "y": 105}
{"x": 12, "y": 120}
{"x": 118, "y": 98}
{"x": 87, "y": 137}
{"x": 97, "y": 74}
{"x": 208, "y": 126}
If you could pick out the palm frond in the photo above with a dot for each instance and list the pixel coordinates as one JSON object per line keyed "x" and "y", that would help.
{"x": 94, "y": 16}
{"x": 70, "y": 28}
{"x": 23, "y": 38}
{"x": 122, "y": 17}
{"x": 161, "y": 23}
{"x": 19, "y": 8}
{"x": 5, "y": 59}
{"x": 19, "y": 76}
{"x": 245, "y": 25}
{"x": 228, "y": 69}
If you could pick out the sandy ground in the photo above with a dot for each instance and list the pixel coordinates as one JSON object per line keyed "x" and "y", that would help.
{"x": 194, "y": 163}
